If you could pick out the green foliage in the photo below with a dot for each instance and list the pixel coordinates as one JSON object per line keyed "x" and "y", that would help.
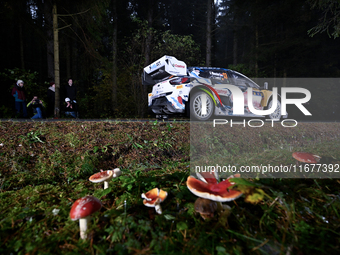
{"x": 5, "y": 112}
{"x": 183, "y": 47}
{"x": 30, "y": 82}
{"x": 132, "y": 95}
{"x": 32, "y": 137}
{"x": 330, "y": 22}
{"x": 40, "y": 181}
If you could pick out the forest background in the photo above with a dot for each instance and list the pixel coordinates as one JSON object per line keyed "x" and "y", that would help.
{"x": 103, "y": 45}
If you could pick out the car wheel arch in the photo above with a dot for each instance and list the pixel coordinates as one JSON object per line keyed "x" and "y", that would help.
{"x": 201, "y": 87}
{"x": 270, "y": 98}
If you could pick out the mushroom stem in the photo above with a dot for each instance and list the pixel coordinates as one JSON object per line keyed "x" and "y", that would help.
{"x": 158, "y": 208}
{"x": 83, "y": 225}
{"x": 219, "y": 207}
{"x": 106, "y": 184}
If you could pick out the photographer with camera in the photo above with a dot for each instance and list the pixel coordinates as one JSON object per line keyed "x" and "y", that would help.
{"x": 38, "y": 107}
{"x": 70, "y": 108}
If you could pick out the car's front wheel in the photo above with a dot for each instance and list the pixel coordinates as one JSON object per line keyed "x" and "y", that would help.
{"x": 276, "y": 115}
{"x": 201, "y": 106}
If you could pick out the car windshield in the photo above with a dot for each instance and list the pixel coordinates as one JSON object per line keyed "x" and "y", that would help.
{"x": 242, "y": 80}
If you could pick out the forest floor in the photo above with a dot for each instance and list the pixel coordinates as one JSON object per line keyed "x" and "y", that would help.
{"x": 45, "y": 166}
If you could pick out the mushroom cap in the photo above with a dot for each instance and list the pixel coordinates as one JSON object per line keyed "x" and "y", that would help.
{"x": 154, "y": 197}
{"x": 205, "y": 207}
{"x": 219, "y": 192}
{"x": 84, "y": 207}
{"x": 116, "y": 172}
{"x": 306, "y": 157}
{"x": 101, "y": 176}
{"x": 207, "y": 177}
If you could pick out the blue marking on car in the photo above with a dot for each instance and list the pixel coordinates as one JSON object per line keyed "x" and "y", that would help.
{"x": 177, "y": 103}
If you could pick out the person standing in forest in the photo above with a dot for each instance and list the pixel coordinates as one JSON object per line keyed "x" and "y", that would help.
{"x": 18, "y": 92}
{"x": 51, "y": 100}
{"x": 71, "y": 93}
{"x": 71, "y": 90}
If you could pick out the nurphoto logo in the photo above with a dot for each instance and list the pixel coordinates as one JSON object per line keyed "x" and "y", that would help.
{"x": 238, "y": 104}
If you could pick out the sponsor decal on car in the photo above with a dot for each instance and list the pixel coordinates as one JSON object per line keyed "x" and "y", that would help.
{"x": 178, "y": 66}
{"x": 257, "y": 93}
{"x": 178, "y": 104}
{"x": 155, "y": 65}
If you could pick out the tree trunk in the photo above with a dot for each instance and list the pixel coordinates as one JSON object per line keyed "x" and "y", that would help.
{"x": 56, "y": 61}
{"x": 147, "y": 57}
{"x": 74, "y": 59}
{"x": 147, "y": 52}
{"x": 208, "y": 33}
{"x": 49, "y": 39}
{"x": 284, "y": 82}
{"x": 226, "y": 52}
{"x": 22, "y": 59}
{"x": 114, "y": 59}
{"x": 256, "y": 50}
{"x": 68, "y": 59}
{"x": 235, "y": 42}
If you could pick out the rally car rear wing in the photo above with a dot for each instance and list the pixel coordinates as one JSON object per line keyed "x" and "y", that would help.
{"x": 162, "y": 69}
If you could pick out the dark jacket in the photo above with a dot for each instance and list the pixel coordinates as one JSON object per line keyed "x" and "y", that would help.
{"x": 19, "y": 93}
{"x": 71, "y": 92}
{"x": 51, "y": 96}
{"x": 50, "y": 101}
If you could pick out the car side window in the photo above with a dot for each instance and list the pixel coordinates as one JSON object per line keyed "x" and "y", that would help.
{"x": 220, "y": 77}
{"x": 204, "y": 74}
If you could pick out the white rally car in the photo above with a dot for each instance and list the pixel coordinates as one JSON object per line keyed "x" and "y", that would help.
{"x": 203, "y": 92}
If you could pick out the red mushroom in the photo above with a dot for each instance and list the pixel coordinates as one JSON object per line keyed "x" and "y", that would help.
{"x": 220, "y": 192}
{"x": 105, "y": 176}
{"x": 82, "y": 209}
{"x": 208, "y": 177}
{"x": 306, "y": 157}
{"x": 153, "y": 198}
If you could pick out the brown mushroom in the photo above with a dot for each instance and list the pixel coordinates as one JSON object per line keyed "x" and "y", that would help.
{"x": 305, "y": 157}
{"x": 205, "y": 207}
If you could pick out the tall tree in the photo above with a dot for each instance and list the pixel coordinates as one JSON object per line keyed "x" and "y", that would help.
{"x": 210, "y": 9}
{"x": 330, "y": 17}
{"x": 114, "y": 56}
{"x": 56, "y": 60}
{"x": 48, "y": 28}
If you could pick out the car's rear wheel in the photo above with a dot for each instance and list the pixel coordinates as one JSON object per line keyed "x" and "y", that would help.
{"x": 200, "y": 110}
{"x": 276, "y": 115}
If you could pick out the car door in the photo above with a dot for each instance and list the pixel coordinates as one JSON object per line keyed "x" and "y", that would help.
{"x": 244, "y": 83}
